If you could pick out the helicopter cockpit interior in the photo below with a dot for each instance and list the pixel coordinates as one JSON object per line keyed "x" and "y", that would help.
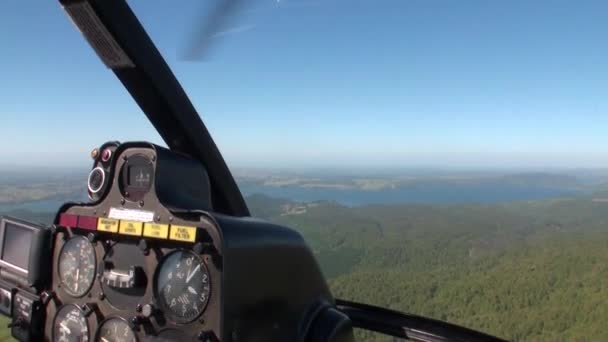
{"x": 165, "y": 248}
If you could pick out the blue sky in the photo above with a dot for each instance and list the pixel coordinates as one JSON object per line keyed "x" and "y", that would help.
{"x": 440, "y": 83}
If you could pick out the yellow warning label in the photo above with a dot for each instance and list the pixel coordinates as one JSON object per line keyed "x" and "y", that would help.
{"x": 183, "y": 233}
{"x": 130, "y": 228}
{"x": 107, "y": 225}
{"x": 153, "y": 230}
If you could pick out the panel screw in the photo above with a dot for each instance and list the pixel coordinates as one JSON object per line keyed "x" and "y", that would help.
{"x": 95, "y": 153}
{"x": 122, "y": 201}
{"x": 148, "y": 310}
{"x": 101, "y": 296}
{"x": 204, "y": 336}
{"x": 91, "y": 237}
{"x": 134, "y": 322}
{"x": 141, "y": 203}
{"x": 138, "y": 308}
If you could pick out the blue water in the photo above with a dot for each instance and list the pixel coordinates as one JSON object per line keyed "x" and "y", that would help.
{"x": 46, "y": 205}
{"x": 416, "y": 193}
{"x": 427, "y": 193}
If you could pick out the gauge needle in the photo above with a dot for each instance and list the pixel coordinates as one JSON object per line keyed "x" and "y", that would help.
{"x": 77, "y": 276}
{"x": 190, "y": 275}
{"x": 65, "y": 328}
{"x": 104, "y": 339}
{"x": 191, "y": 290}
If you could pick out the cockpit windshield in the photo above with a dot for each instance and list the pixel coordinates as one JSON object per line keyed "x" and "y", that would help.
{"x": 447, "y": 159}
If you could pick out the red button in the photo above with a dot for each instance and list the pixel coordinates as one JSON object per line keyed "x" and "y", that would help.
{"x": 106, "y": 154}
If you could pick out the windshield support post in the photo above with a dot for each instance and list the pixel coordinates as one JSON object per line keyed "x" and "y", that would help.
{"x": 147, "y": 77}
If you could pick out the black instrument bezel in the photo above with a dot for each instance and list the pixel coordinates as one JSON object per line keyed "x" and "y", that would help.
{"x": 59, "y": 276}
{"x": 60, "y": 309}
{"x": 157, "y": 295}
{"x": 130, "y": 192}
{"x": 110, "y": 318}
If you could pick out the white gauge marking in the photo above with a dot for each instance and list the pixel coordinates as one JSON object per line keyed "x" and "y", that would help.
{"x": 65, "y": 328}
{"x": 193, "y": 273}
{"x": 191, "y": 290}
{"x": 77, "y": 277}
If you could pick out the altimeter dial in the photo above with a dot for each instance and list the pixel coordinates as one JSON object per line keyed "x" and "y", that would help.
{"x": 183, "y": 286}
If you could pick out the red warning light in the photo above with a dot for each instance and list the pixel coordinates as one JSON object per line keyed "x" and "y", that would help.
{"x": 67, "y": 220}
{"x": 106, "y": 155}
{"x": 87, "y": 222}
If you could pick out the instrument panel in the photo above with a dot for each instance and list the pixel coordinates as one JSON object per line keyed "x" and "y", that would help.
{"x": 127, "y": 268}
{"x": 147, "y": 259}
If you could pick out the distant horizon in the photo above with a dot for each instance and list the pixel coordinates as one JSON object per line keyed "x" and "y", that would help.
{"x": 333, "y": 169}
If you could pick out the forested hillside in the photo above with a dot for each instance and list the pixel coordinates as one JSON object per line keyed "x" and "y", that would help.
{"x": 533, "y": 271}
{"x": 526, "y": 271}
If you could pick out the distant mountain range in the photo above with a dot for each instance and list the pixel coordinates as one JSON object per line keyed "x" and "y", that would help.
{"x": 49, "y": 189}
{"x": 444, "y": 189}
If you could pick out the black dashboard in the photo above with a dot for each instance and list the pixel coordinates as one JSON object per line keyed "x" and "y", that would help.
{"x": 148, "y": 259}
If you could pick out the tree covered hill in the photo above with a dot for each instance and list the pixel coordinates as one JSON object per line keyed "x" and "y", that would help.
{"x": 530, "y": 271}
{"x": 526, "y": 271}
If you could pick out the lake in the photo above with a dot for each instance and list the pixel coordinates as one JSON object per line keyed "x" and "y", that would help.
{"x": 427, "y": 193}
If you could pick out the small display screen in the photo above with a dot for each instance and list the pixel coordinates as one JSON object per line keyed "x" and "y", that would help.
{"x": 17, "y": 244}
{"x": 140, "y": 176}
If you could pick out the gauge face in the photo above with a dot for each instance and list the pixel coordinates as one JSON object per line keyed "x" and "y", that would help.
{"x": 137, "y": 177}
{"x": 70, "y": 325}
{"x": 182, "y": 286}
{"x": 115, "y": 330}
{"x": 77, "y": 266}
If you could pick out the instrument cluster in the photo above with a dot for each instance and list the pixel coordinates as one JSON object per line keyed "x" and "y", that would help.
{"x": 113, "y": 290}
{"x": 148, "y": 259}
{"x": 127, "y": 268}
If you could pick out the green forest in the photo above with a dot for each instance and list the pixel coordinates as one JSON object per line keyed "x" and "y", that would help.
{"x": 525, "y": 271}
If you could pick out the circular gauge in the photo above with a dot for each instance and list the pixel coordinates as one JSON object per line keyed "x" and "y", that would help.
{"x": 182, "y": 286}
{"x": 70, "y": 325}
{"x": 77, "y": 266}
{"x": 96, "y": 179}
{"x": 115, "y": 330}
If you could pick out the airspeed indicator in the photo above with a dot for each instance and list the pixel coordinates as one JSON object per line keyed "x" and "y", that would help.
{"x": 77, "y": 266}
